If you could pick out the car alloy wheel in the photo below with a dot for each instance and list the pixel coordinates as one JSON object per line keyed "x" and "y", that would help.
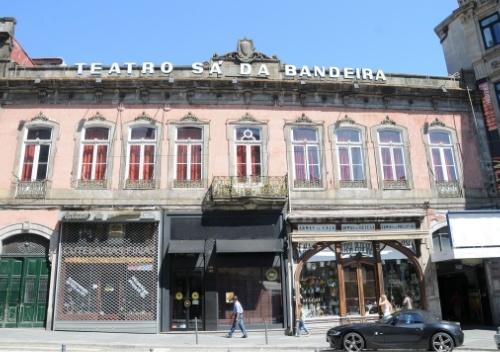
{"x": 442, "y": 342}
{"x": 353, "y": 342}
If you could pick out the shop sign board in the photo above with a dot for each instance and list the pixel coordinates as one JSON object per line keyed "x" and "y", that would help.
{"x": 355, "y": 247}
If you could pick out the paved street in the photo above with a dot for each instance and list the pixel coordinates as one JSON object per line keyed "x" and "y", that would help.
{"x": 37, "y": 340}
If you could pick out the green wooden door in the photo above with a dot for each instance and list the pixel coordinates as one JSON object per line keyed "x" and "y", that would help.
{"x": 23, "y": 292}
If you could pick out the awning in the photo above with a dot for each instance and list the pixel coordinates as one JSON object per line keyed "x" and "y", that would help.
{"x": 358, "y": 236}
{"x": 249, "y": 246}
{"x": 474, "y": 234}
{"x": 186, "y": 246}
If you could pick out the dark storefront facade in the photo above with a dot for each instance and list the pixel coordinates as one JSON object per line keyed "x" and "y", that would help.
{"x": 210, "y": 257}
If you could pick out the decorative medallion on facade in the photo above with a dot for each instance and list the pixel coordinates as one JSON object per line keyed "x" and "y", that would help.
{"x": 388, "y": 121}
{"x": 97, "y": 117}
{"x": 190, "y": 118}
{"x": 145, "y": 117}
{"x": 40, "y": 117}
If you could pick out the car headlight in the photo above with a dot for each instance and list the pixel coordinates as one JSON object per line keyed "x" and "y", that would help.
{"x": 334, "y": 332}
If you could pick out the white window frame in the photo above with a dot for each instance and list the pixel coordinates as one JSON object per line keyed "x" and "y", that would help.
{"x": 248, "y": 141}
{"x": 350, "y": 146}
{"x": 95, "y": 143}
{"x": 442, "y": 148}
{"x": 189, "y": 143}
{"x": 36, "y": 158}
{"x": 142, "y": 143}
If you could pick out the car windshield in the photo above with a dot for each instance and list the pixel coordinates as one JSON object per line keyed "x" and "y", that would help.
{"x": 386, "y": 319}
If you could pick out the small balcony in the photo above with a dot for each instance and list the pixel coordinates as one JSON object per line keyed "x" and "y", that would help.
{"x": 140, "y": 184}
{"x": 258, "y": 189}
{"x": 31, "y": 189}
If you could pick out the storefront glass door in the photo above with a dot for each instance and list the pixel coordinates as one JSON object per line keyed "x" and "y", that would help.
{"x": 187, "y": 292}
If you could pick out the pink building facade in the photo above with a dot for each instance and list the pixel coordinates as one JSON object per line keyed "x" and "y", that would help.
{"x": 143, "y": 197}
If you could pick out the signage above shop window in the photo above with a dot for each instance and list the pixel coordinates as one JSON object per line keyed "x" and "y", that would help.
{"x": 317, "y": 227}
{"x": 357, "y": 227}
{"x": 398, "y": 226}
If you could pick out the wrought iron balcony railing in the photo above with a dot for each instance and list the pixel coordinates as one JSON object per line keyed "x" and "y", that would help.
{"x": 91, "y": 184}
{"x": 449, "y": 189}
{"x": 31, "y": 189}
{"x": 250, "y": 186}
{"x": 189, "y": 183}
{"x": 396, "y": 184}
{"x": 140, "y": 184}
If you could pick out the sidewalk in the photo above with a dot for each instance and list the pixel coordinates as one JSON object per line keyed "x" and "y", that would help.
{"x": 38, "y": 340}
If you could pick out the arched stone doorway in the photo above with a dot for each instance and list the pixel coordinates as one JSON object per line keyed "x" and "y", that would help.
{"x": 24, "y": 279}
{"x": 346, "y": 279}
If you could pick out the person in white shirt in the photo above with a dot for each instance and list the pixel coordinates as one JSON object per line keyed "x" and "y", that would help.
{"x": 238, "y": 319}
{"x": 407, "y": 302}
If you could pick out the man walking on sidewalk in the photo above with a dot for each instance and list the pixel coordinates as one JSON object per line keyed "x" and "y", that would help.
{"x": 238, "y": 319}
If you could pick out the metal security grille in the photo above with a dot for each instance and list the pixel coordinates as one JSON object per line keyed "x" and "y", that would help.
{"x": 108, "y": 272}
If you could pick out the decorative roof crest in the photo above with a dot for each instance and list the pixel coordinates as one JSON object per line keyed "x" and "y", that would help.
{"x": 41, "y": 116}
{"x": 245, "y": 52}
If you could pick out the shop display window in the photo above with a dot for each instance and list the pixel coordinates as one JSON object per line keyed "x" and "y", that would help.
{"x": 401, "y": 279}
{"x": 319, "y": 289}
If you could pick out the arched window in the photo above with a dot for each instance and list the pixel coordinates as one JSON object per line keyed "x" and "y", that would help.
{"x": 350, "y": 155}
{"x": 189, "y": 154}
{"x": 306, "y": 157}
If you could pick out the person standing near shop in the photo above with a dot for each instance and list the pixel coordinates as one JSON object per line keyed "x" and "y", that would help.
{"x": 302, "y": 322}
{"x": 407, "y": 302}
{"x": 238, "y": 319}
{"x": 385, "y": 305}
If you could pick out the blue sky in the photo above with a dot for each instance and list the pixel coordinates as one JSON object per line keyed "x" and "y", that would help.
{"x": 396, "y": 36}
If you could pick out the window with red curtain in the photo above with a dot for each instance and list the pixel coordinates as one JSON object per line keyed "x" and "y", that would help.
{"x": 350, "y": 155}
{"x": 443, "y": 160}
{"x": 306, "y": 156}
{"x": 189, "y": 147}
{"x": 94, "y": 159}
{"x": 142, "y": 155}
{"x": 248, "y": 152}
{"x": 392, "y": 155}
{"x": 36, "y": 154}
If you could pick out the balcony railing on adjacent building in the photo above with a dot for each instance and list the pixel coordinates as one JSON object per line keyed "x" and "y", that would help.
{"x": 449, "y": 189}
{"x": 31, "y": 189}
{"x": 250, "y": 186}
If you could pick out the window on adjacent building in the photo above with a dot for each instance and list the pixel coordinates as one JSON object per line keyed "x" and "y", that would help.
{"x": 141, "y": 153}
{"x": 392, "y": 155}
{"x": 248, "y": 144}
{"x": 189, "y": 157}
{"x": 94, "y": 158}
{"x": 350, "y": 155}
{"x": 490, "y": 27}
{"x": 443, "y": 160}
{"x": 306, "y": 157}
{"x": 36, "y": 154}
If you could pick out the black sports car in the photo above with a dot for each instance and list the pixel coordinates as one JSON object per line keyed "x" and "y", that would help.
{"x": 406, "y": 329}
